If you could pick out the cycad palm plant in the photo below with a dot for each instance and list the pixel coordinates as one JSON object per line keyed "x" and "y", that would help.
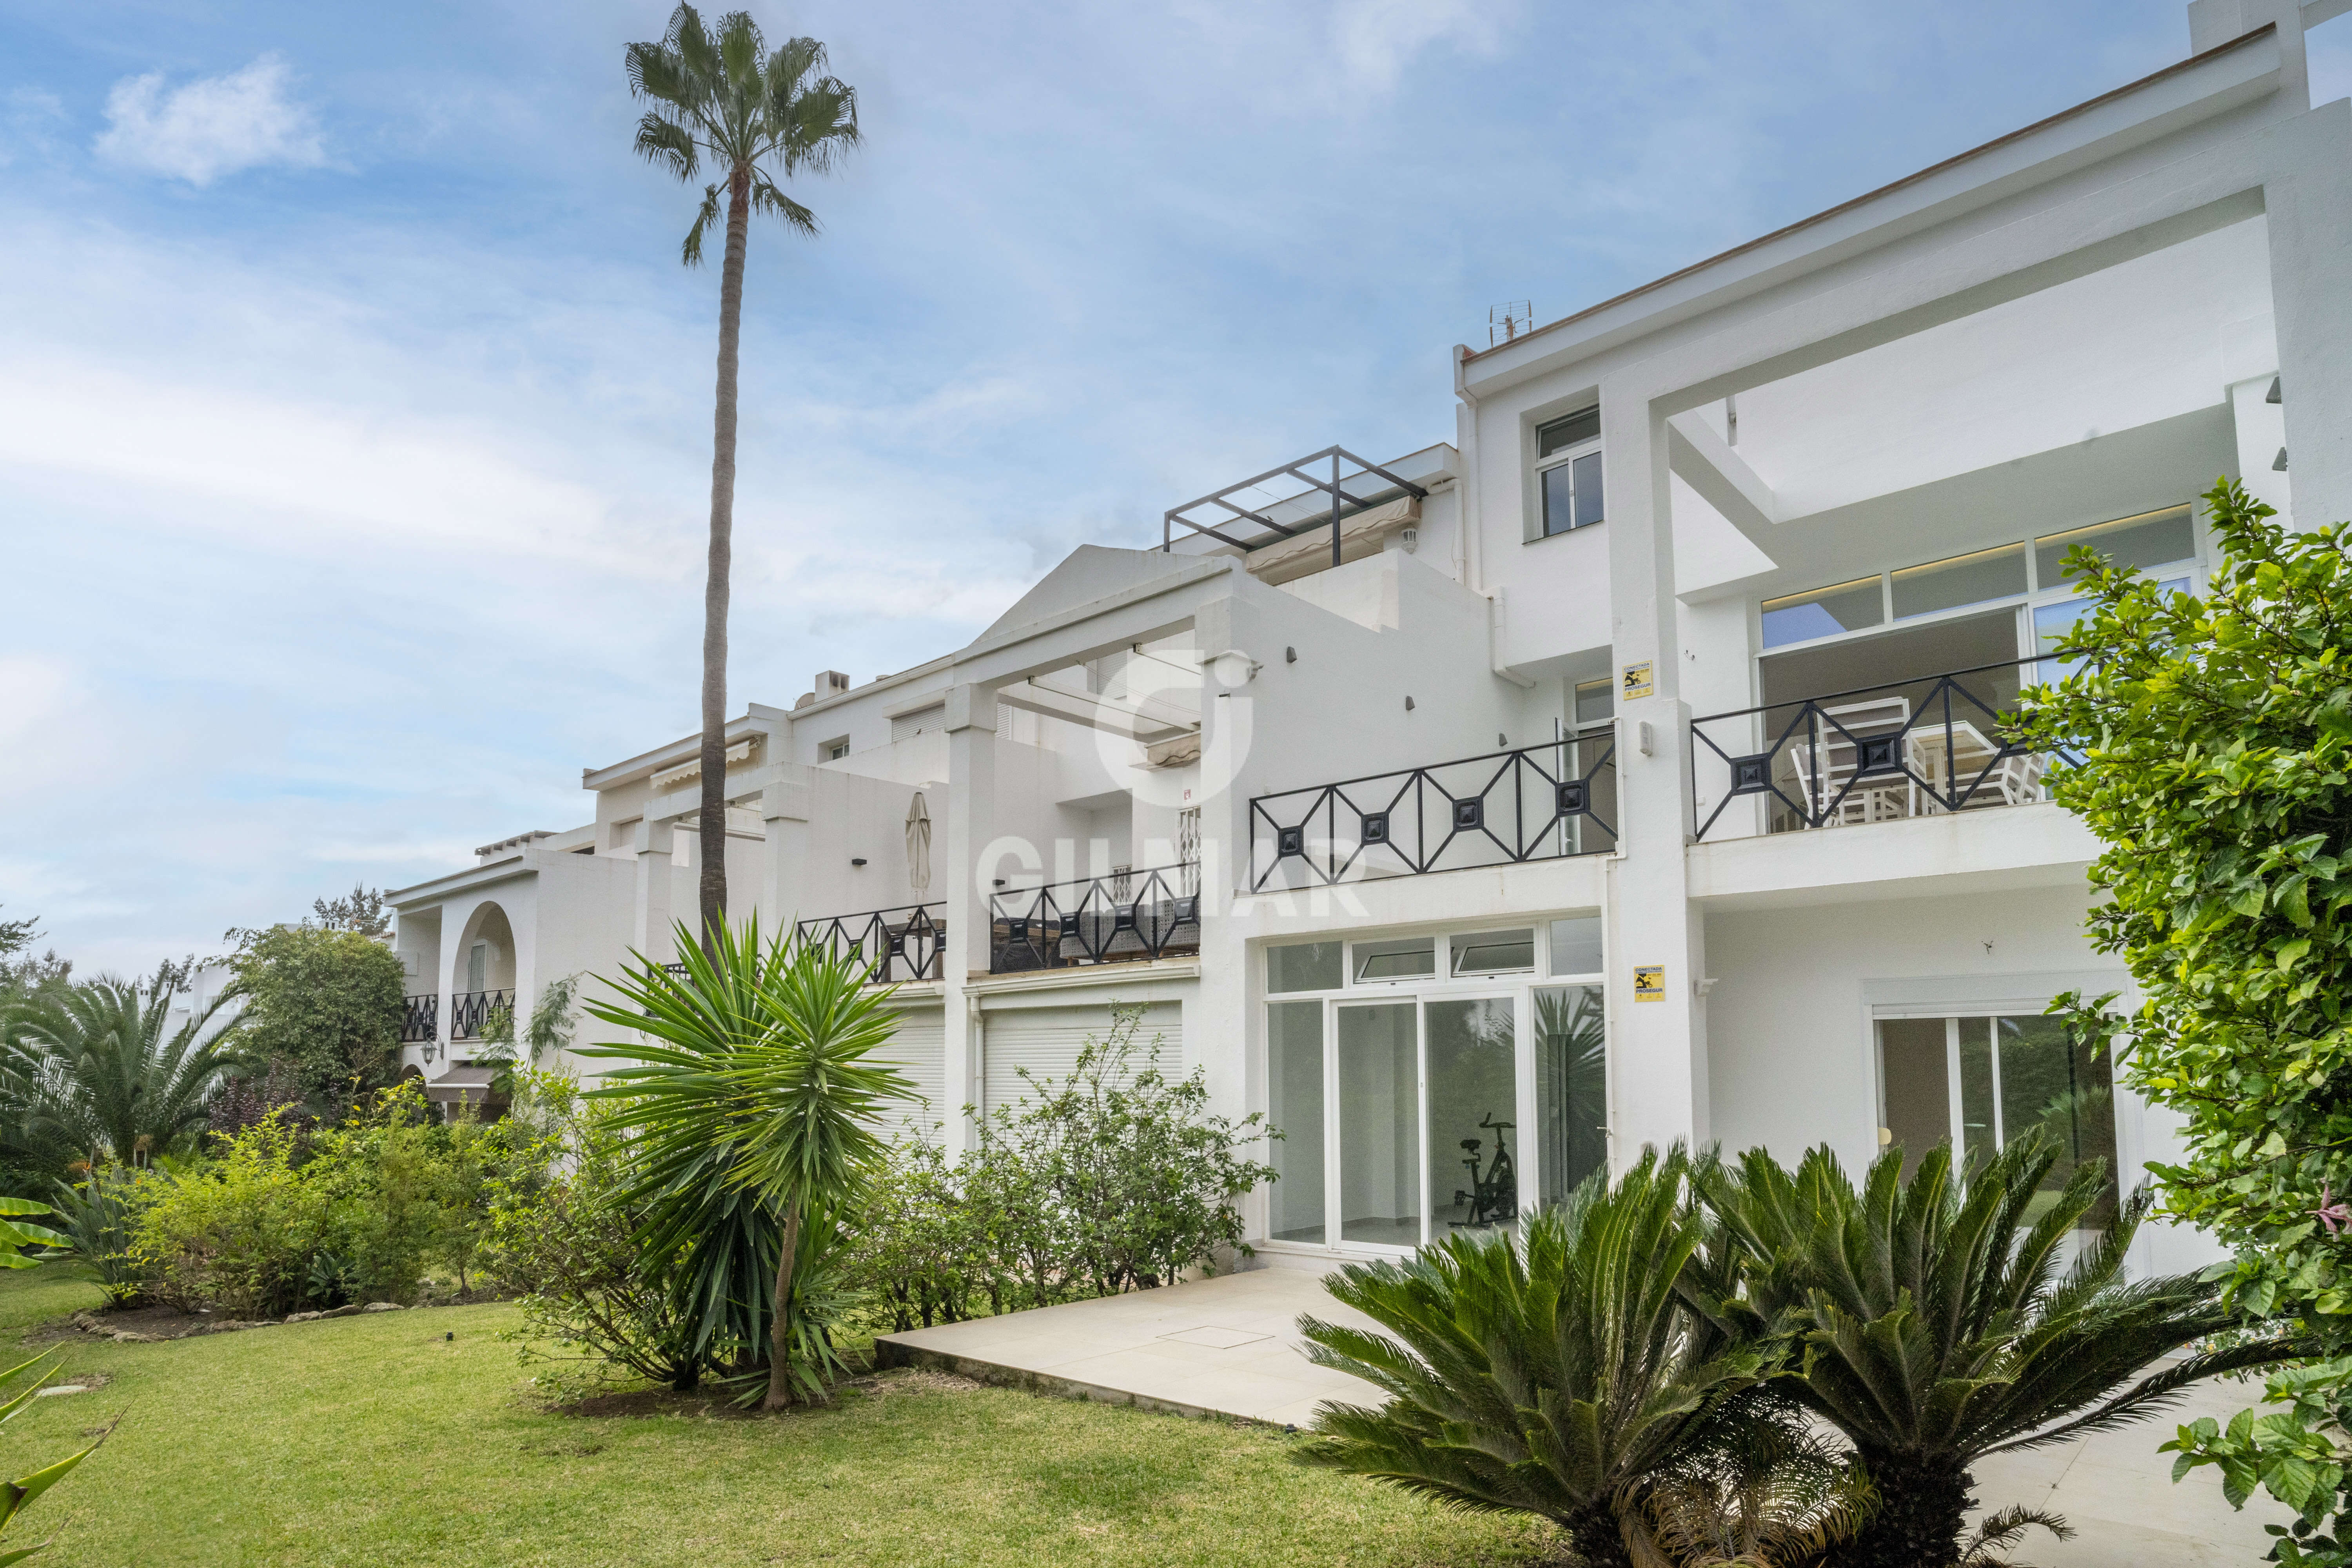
{"x": 1551, "y": 1373}
{"x": 1933, "y": 1324}
{"x": 95, "y": 1066}
{"x": 755, "y": 1109}
{"x": 723, "y": 99}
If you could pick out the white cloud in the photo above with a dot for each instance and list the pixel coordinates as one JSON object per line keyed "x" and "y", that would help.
{"x": 213, "y": 126}
{"x": 1376, "y": 39}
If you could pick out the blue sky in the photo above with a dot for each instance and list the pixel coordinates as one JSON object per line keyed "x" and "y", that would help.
{"x": 354, "y": 411}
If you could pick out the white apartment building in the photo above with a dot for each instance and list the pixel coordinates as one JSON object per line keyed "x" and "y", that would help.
{"x": 1631, "y": 767}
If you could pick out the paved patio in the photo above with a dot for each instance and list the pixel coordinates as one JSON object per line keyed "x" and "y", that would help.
{"x": 1230, "y": 1346}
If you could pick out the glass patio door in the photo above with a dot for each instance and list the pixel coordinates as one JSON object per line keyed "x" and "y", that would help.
{"x": 1982, "y": 1082}
{"x": 1474, "y": 1148}
{"x": 1377, "y": 1123}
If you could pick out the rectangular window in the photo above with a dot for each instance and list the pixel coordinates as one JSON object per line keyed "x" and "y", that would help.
{"x": 1473, "y": 1113}
{"x": 1571, "y": 1090}
{"x": 1302, "y": 966}
{"x": 1495, "y": 953}
{"x": 2150, "y": 539}
{"x": 1576, "y": 945}
{"x": 1571, "y": 494}
{"x": 1975, "y": 578}
{"x": 1573, "y": 431}
{"x": 836, "y": 750}
{"x": 1415, "y": 958}
{"x": 1380, "y": 1111}
{"x": 1571, "y": 481}
{"x": 1294, "y": 1072}
{"x": 2051, "y": 622}
{"x": 1596, "y": 702}
{"x": 1824, "y": 611}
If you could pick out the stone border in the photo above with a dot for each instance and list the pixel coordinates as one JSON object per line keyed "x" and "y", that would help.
{"x": 89, "y": 1323}
{"x": 890, "y": 1352}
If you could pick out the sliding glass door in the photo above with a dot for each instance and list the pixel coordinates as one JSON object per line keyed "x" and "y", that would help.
{"x": 1982, "y": 1082}
{"x": 1379, "y": 1124}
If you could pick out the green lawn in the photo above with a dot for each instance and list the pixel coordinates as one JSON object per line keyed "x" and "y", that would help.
{"x": 374, "y": 1440}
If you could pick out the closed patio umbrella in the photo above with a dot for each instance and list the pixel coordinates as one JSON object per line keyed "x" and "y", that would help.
{"x": 918, "y": 844}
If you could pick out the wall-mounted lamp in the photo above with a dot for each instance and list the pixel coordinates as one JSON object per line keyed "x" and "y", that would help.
{"x": 857, "y": 859}
{"x": 1290, "y": 655}
{"x": 1408, "y": 704}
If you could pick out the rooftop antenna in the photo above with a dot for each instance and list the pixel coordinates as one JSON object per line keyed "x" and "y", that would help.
{"x": 1510, "y": 320}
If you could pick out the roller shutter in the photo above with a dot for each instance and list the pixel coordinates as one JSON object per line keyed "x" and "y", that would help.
{"x": 918, "y": 1050}
{"x": 929, "y": 721}
{"x": 1046, "y": 1041}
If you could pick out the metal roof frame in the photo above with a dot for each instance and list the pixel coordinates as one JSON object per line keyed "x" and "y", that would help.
{"x": 1344, "y": 504}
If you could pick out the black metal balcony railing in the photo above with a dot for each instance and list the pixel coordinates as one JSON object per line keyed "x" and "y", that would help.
{"x": 1534, "y": 803}
{"x": 470, "y": 1010}
{"x": 901, "y": 944}
{"x": 1117, "y": 918}
{"x": 419, "y": 1019}
{"x": 1876, "y": 754}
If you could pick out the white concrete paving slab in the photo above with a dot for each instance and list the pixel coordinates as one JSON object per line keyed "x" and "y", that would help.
{"x": 1230, "y": 1346}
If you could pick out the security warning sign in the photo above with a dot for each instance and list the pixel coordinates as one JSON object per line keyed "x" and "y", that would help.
{"x": 1648, "y": 983}
{"x": 1639, "y": 683}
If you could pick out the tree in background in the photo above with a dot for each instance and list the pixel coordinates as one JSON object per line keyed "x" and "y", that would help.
{"x": 758, "y": 117}
{"x": 361, "y": 909}
{"x": 2208, "y": 742}
{"x": 24, "y": 975}
{"x": 325, "y": 1002}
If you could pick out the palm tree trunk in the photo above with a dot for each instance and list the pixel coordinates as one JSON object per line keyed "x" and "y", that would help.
{"x": 711, "y": 824}
{"x": 780, "y": 1328}
{"x": 1923, "y": 1508}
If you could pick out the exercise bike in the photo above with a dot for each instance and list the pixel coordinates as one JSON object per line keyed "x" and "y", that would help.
{"x": 1493, "y": 1196}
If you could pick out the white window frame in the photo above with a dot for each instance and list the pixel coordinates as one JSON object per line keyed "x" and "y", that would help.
{"x": 1561, "y": 459}
{"x": 1518, "y": 986}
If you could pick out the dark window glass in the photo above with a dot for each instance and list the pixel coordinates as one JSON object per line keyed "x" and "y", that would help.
{"x": 2152, "y": 538}
{"x": 1588, "y": 490}
{"x": 1561, "y": 433}
{"x": 1571, "y": 494}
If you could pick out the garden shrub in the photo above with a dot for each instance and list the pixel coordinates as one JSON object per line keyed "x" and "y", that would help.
{"x": 1116, "y": 1178}
{"x": 562, "y": 1236}
{"x": 239, "y": 1233}
{"x": 283, "y": 1215}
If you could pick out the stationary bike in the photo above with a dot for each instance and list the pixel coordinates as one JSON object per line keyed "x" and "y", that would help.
{"x": 1494, "y": 1196}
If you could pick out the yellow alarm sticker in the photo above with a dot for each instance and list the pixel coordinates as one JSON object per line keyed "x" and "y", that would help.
{"x": 1648, "y": 983}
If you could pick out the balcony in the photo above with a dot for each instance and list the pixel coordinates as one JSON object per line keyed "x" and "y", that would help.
{"x": 1928, "y": 747}
{"x": 470, "y": 1012}
{"x": 900, "y": 944}
{"x": 419, "y": 1019}
{"x": 1124, "y": 918}
{"x": 1534, "y": 803}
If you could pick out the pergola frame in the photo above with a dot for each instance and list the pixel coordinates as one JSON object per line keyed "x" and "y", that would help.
{"x": 1343, "y": 503}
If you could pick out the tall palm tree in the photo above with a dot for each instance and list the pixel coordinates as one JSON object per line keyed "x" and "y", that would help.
{"x": 1935, "y": 1325}
{"x": 94, "y": 1067}
{"x": 756, "y": 1110}
{"x": 757, "y": 117}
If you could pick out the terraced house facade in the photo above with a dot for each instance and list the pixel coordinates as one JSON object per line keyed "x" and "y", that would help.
{"x": 1631, "y": 767}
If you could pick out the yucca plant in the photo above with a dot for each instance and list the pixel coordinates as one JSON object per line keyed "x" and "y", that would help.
{"x": 1932, "y": 1323}
{"x": 1551, "y": 1373}
{"x": 754, "y": 1110}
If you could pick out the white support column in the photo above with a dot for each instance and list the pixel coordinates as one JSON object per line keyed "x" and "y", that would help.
{"x": 971, "y": 723}
{"x": 785, "y": 815}
{"x": 453, "y": 934}
{"x": 657, "y": 847}
{"x": 2308, "y": 200}
{"x": 1657, "y": 1050}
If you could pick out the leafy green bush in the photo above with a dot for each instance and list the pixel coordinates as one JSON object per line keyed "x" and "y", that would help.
{"x": 238, "y": 1233}
{"x": 327, "y": 1003}
{"x": 284, "y": 1217}
{"x": 562, "y": 1236}
{"x": 1115, "y": 1178}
